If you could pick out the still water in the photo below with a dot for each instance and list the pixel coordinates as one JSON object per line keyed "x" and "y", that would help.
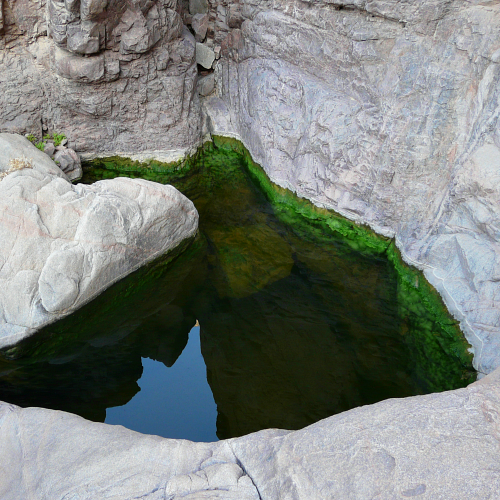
{"x": 169, "y": 400}
{"x": 295, "y": 326}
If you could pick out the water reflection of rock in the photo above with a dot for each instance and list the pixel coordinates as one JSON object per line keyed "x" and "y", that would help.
{"x": 91, "y": 360}
{"x": 300, "y": 350}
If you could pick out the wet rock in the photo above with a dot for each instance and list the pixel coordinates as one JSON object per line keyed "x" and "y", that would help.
{"x": 61, "y": 245}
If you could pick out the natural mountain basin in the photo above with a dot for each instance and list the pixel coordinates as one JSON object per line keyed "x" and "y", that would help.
{"x": 302, "y": 315}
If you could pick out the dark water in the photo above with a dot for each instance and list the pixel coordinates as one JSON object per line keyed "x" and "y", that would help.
{"x": 295, "y": 326}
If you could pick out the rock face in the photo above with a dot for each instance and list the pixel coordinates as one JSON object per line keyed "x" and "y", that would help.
{"x": 61, "y": 244}
{"x": 439, "y": 446}
{"x": 387, "y": 112}
{"x": 112, "y": 75}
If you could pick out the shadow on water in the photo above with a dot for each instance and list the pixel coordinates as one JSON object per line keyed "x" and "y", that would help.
{"x": 296, "y": 325}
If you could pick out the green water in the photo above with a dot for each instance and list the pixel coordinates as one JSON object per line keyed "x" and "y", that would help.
{"x": 302, "y": 313}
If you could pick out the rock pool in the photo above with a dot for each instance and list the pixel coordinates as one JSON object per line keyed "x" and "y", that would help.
{"x": 302, "y": 315}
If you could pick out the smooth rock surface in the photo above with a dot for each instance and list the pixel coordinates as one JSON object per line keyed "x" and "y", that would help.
{"x": 61, "y": 244}
{"x": 387, "y": 112}
{"x": 205, "y": 56}
{"x": 439, "y": 446}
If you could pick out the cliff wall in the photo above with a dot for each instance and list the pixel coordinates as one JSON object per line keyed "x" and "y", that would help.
{"x": 387, "y": 112}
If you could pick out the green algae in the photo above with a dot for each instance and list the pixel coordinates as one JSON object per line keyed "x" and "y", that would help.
{"x": 303, "y": 313}
{"x": 431, "y": 333}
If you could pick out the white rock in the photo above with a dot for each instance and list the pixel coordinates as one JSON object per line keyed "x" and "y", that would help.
{"x": 428, "y": 447}
{"x": 61, "y": 245}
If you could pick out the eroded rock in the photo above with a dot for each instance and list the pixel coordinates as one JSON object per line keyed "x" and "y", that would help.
{"x": 128, "y": 74}
{"x": 61, "y": 244}
{"x": 439, "y": 446}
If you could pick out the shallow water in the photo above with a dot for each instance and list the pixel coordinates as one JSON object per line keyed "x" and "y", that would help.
{"x": 295, "y": 326}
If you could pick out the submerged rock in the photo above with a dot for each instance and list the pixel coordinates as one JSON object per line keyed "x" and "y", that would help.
{"x": 61, "y": 244}
{"x": 436, "y": 446}
{"x": 386, "y": 112}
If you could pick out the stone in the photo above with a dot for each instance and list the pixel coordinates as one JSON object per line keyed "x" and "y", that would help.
{"x": 87, "y": 70}
{"x": 382, "y": 112}
{"x": 49, "y": 149}
{"x": 206, "y": 85}
{"x": 439, "y": 446}
{"x": 205, "y": 56}
{"x": 85, "y": 38}
{"x": 199, "y": 24}
{"x": 63, "y": 244}
{"x": 69, "y": 162}
{"x": 198, "y": 7}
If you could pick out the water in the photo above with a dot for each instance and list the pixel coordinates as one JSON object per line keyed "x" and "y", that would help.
{"x": 295, "y": 325}
{"x": 176, "y": 402}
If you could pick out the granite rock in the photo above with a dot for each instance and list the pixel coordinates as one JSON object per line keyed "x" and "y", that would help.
{"x": 439, "y": 446}
{"x": 386, "y": 112}
{"x": 63, "y": 244}
{"x": 110, "y": 75}
{"x": 205, "y": 56}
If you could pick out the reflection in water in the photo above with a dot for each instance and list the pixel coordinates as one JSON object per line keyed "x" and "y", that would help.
{"x": 176, "y": 402}
{"x": 295, "y": 326}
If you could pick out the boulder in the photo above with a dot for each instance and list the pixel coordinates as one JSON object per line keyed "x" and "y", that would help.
{"x": 428, "y": 447}
{"x": 61, "y": 244}
{"x": 69, "y": 162}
